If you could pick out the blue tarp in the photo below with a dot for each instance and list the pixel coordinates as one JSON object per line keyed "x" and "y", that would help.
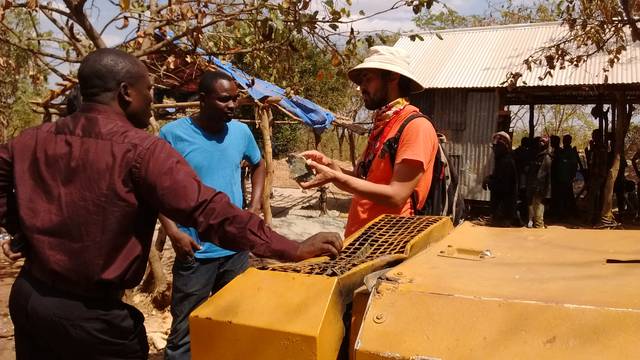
{"x": 309, "y": 112}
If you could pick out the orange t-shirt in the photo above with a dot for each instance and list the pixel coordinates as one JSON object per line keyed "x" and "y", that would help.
{"x": 418, "y": 142}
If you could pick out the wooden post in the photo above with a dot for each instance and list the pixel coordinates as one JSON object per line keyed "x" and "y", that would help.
{"x": 340, "y": 138}
{"x": 623, "y": 118}
{"x": 323, "y": 200}
{"x": 613, "y": 108}
{"x": 532, "y": 125}
{"x": 352, "y": 148}
{"x": 264, "y": 116}
{"x": 156, "y": 281}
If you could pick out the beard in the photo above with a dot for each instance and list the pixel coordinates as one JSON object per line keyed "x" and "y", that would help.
{"x": 373, "y": 102}
{"x": 376, "y": 100}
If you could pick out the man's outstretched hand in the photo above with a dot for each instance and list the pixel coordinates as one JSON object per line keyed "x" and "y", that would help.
{"x": 320, "y": 244}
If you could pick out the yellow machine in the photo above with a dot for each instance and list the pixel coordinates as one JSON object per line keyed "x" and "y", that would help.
{"x": 478, "y": 293}
{"x": 295, "y": 311}
{"x": 496, "y": 293}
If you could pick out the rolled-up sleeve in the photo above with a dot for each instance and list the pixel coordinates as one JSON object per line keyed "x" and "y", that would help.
{"x": 166, "y": 181}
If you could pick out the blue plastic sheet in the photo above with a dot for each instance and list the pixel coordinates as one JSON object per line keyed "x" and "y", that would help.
{"x": 309, "y": 112}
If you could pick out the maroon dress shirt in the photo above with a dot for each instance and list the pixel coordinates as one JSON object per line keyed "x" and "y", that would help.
{"x": 85, "y": 193}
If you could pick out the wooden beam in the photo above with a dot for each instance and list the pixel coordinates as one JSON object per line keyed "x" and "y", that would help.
{"x": 271, "y": 100}
{"x": 189, "y": 104}
{"x": 194, "y": 104}
{"x": 264, "y": 116}
{"x": 253, "y": 121}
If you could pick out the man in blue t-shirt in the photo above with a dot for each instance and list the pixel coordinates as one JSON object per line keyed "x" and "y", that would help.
{"x": 214, "y": 146}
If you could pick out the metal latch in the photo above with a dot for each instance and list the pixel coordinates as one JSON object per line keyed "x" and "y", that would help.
{"x": 465, "y": 253}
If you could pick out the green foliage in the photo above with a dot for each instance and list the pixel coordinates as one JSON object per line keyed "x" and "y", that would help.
{"x": 24, "y": 78}
{"x": 507, "y": 13}
{"x": 632, "y": 141}
{"x": 524, "y": 12}
{"x": 306, "y": 71}
{"x": 285, "y": 138}
{"x": 336, "y": 145}
{"x": 446, "y": 18}
{"x": 574, "y": 120}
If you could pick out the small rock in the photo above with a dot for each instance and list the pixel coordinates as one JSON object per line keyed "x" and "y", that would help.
{"x": 158, "y": 340}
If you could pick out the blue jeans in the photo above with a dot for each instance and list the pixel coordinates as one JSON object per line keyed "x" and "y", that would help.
{"x": 194, "y": 281}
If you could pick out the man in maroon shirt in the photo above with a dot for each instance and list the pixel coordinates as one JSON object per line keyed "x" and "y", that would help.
{"x": 83, "y": 195}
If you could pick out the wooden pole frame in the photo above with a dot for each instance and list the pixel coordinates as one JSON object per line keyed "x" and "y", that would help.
{"x": 264, "y": 117}
{"x": 532, "y": 125}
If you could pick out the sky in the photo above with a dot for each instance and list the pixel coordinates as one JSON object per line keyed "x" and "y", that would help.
{"x": 400, "y": 19}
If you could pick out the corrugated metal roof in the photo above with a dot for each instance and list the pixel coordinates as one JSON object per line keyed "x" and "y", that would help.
{"x": 482, "y": 58}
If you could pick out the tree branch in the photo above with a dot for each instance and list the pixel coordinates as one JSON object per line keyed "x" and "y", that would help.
{"x": 66, "y": 31}
{"x": 171, "y": 40}
{"x": 79, "y": 16}
{"x": 631, "y": 22}
{"x": 40, "y": 52}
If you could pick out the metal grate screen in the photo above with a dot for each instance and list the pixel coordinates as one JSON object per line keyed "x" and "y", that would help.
{"x": 387, "y": 236}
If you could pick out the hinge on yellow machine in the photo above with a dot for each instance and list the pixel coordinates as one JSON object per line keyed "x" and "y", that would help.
{"x": 465, "y": 253}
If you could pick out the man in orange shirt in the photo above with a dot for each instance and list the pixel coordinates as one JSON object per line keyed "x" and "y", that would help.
{"x": 379, "y": 187}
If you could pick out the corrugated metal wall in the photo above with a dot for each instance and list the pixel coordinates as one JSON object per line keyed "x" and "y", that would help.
{"x": 467, "y": 119}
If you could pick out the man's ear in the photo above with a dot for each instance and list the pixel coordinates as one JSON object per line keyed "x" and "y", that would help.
{"x": 201, "y": 97}
{"x": 125, "y": 92}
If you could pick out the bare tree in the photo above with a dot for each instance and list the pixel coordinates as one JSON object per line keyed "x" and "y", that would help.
{"x": 176, "y": 36}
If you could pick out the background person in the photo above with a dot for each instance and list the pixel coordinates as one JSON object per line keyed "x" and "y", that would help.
{"x": 503, "y": 182}
{"x": 214, "y": 145}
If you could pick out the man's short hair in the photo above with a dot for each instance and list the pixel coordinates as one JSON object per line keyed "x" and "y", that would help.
{"x": 209, "y": 78}
{"x": 103, "y": 70}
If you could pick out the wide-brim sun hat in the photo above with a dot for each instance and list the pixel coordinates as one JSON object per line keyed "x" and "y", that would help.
{"x": 386, "y": 58}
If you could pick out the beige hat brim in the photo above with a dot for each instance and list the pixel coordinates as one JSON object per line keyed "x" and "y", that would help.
{"x": 355, "y": 73}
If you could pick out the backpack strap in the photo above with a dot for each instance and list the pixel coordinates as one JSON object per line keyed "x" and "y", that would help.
{"x": 391, "y": 145}
{"x": 391, "y": 148}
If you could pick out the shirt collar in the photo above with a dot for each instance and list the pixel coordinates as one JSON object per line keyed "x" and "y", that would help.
{"x": 103, "y": 110}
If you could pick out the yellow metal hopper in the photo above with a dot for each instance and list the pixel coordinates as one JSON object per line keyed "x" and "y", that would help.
{"x": 295, "y": 311}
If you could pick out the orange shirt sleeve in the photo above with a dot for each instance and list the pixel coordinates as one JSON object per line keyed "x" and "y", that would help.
{"x": 418, "y": 142}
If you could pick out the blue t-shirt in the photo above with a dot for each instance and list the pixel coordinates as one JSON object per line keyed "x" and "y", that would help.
{"x": 216, "y": 159}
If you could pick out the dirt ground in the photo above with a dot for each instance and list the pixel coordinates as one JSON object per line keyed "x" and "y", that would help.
{"x": 295, "y": 214}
